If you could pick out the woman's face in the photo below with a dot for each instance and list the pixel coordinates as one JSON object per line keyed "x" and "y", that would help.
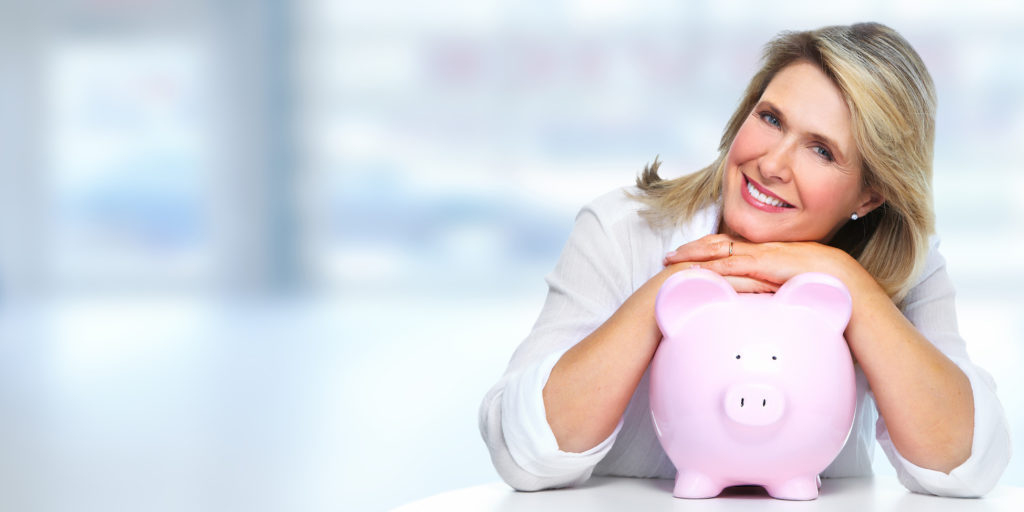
{"x": 793, "y": 172}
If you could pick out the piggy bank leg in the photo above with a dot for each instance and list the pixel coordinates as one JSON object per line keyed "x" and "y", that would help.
{"x": 799, "y": 488}
{"x": 692, "y": 484}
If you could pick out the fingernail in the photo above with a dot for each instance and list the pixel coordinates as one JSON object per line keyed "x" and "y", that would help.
{"x": 670, "y": 254}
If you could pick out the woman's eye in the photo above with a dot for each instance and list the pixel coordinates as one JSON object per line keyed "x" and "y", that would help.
{"x": 824, "y": 153}
{"x": 770, "y": 118}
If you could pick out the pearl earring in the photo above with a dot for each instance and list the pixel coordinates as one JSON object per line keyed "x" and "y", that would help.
{"x": 854, "y": 216}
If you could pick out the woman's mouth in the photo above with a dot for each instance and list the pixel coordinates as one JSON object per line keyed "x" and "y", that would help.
{"x": 761, "y": 199}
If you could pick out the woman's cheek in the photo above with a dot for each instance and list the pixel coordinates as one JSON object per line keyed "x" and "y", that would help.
{"x": 826, "y": 194}
{"x": 745, "y": 145}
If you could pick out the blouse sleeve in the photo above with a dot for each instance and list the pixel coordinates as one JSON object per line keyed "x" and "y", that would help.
{"x": 587, "y": 285}
{"x": 930, "y": 307}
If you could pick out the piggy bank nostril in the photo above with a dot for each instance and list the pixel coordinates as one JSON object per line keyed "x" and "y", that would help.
{"x": 764, "y": 402}
{"x": 740, "y": 404}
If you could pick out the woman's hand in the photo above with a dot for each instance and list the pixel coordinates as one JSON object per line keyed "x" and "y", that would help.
{"x": 762, "y": 267}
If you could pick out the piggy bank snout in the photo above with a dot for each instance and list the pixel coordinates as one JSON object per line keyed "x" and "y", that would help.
{"x": 754, "y": 404}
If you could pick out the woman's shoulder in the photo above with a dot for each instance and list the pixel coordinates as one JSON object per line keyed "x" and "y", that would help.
{"x": 622, "y": 209}
{"x": 619, "y": 210}
{"x": 617, "y": 203}
{"x": 933, "y": 260}
{"x": 934, "y": 263}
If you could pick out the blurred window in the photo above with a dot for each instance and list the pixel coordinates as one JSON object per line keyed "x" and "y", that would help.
{"x": 128, "y": 149}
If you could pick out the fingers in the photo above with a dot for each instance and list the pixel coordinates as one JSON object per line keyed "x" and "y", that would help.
{"x": 751, "y": 285}
{"x": 742, "y": 284}
{"x": 771, "y": 263}
{"x": 708, "y": 248}
{"x": 767, "y": 263}
{"x": 739, "y": 265}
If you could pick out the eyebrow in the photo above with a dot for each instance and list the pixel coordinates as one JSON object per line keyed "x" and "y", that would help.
{"x": 837, "y": 153}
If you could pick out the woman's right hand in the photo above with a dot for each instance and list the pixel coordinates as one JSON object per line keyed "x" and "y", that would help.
{"x": 713, "y": 248}
{"x": 741, "y": 284}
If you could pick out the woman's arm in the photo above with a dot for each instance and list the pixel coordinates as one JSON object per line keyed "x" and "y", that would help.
{"x": 593, "y": 279}
{"x": 591, "y": 385}
{"x": 925, "y": 399}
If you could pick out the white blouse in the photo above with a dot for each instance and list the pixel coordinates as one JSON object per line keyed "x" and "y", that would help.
{"x": 611, "y": 252}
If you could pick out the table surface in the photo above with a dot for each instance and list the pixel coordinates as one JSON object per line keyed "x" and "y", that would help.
{"x": 608, "y": 493}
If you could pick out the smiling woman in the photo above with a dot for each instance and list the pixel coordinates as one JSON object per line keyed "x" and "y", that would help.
{"x": 861, "y": 102}
{"x": 793, "y": 172}
{"x": 824, "y": 167}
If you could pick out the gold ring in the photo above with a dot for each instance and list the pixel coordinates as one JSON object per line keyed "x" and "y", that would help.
{"x": 730, "y": 248}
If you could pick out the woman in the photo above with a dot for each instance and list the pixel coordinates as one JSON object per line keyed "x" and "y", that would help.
{"x": 825, "y": 166}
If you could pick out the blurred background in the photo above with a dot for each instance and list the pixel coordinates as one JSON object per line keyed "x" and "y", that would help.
{"x": 269, "y": 255}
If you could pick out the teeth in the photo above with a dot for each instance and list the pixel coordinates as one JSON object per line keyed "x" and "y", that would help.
{"x": 763, "y": 198}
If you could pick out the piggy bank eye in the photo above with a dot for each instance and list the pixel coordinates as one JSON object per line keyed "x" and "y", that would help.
{"x": 774, "y": 358}
{"x": 737, "y": 356}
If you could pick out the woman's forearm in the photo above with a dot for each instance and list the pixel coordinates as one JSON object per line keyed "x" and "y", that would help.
{"x": 926, "y": 400}
{"x": 591, "y": 385}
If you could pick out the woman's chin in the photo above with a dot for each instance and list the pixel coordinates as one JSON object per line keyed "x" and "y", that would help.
{"x": 743, "y": 231}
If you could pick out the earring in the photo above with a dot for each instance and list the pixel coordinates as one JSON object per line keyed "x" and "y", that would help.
{"x": 854, "y": 216}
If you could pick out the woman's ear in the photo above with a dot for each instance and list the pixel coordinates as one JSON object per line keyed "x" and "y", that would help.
{"x": 869, "y": 200}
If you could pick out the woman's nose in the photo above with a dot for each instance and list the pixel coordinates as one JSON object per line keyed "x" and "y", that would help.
{"x": 776, "y": 163}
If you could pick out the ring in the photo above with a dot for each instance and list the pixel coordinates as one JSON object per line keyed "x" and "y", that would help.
{"x": 730, "y": 248}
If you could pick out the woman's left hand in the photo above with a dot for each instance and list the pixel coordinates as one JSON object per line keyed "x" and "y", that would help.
{"x": 771, "y": 262}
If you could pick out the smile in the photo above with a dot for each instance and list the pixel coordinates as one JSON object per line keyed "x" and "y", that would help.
{"x": 762, "y": 200}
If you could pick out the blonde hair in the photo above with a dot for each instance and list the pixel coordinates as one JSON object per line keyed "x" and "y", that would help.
{"x": 892, "y": 105}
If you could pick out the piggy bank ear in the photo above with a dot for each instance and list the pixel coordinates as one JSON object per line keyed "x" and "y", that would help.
{"x": 824, "y": 294}
{"x": 686, "y": 291}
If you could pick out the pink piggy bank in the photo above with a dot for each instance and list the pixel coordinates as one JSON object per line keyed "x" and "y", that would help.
{"x": 752, "y": 389}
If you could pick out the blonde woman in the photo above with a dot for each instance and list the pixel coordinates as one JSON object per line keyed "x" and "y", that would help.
{"x": 825, "y": 166}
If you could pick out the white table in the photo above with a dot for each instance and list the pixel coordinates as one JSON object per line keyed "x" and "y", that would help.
{"x": 628, "y": 494}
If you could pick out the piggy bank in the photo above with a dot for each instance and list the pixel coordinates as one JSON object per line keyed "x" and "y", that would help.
{"x": 752, "y": 389}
